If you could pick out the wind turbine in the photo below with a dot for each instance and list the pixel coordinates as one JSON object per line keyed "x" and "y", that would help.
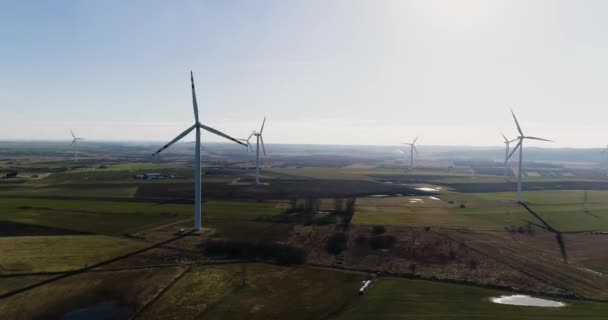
{"x": 75, "y": 145}
{"x": 259, "y": 138}
{"x": 412, "y": 150}
{"x": 249, "y": 148}
{"x": 605, "y": 152}
{"x": 197, "y": 126}
{"x": 520, "y": 146}
{"x": 507, "y": 144}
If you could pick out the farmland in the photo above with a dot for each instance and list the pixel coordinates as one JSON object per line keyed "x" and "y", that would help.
{"x": 60, "y": 219}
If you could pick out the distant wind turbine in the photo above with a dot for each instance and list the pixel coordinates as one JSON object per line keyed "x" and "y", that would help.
{"x": 259, "y": 138}
{"x": 605, "y": 152}
{"x": 520, "y": 146}
{"x": 197, "y": 126}
{"x": 75, "y": 145}
{"x": 412, "y": 150}
{"x": 507, "y": 144}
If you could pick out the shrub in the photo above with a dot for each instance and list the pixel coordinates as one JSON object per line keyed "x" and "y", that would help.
{"x": 381, "y": 242}
{"x": 255, "y": 251}
{"x": 324, "y": 219}
{"x": 412, "y": 268}
{"x": 473, "y": 264}
{"x": 378, "y": 230}
{"x": 337, "y": 243}
{"x": 361, "y": 239}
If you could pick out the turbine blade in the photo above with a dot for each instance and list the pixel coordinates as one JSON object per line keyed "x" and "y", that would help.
{"x": 503, "y": 135}
{"x": 72, "y": 132}
{"x": 251, "y": 135}
{"x": 540, "y": 139}
{"x": 517, "y": 123}
{"x": 194, "y": 104}
{"x": 73, "y": 141}
{"x": 515, "y": 149}
{"x": 416, "y": 150}
{"x": 263, "y": 147}
{"x": 183, "y": 134}
{"x": 263, "y": 123}
{"x": 415, "y": 141}
{"x": 221, "y": 134}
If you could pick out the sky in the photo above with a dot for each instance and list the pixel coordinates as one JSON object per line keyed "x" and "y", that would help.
{"x": 374, "y": 72}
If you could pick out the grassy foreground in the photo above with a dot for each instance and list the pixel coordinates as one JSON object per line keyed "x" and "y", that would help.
{"x": 267, "y": 292}
{"x": 131, "y": 288}
{"x": 393, "y": 298}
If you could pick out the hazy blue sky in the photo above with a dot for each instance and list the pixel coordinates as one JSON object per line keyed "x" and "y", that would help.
{"x": 339, "y": 72}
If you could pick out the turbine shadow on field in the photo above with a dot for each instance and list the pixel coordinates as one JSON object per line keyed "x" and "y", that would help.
{"x": 89, "y": 268}
{"x": 548, "y": 227}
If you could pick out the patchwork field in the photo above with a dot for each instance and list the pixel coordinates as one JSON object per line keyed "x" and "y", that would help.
{"x": 469, "y": 230}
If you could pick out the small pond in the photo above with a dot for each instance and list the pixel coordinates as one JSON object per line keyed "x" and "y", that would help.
{"x": 101, "y": 311}
{"x": 524, "y": 300}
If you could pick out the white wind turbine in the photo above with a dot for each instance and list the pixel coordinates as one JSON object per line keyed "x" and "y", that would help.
{"x": 605, "y": 152}
{"x": 75, "y": 145}
{"x": 507, "y": 144}
{"x": 197, "y": 155}
{"x": 520, "y": 146}
{"x": 412, "y": 150}
{"x": 259, "y": 138}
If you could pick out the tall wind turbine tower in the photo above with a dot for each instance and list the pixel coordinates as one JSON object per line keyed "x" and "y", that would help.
{"x": 197, "y": 126}
{"x": 75, "y": 145}
{"x": 507, "y": 144}
{"x": 412, "y": 150}
{"x": 259, "y": 139}
{"x": 520, "y": 146}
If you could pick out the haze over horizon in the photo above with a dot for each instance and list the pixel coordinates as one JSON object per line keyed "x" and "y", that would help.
{"x": 339, "y": 72}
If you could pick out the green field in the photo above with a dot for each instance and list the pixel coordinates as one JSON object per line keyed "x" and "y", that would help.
{"x": 393, "y": 298}
{"x": 12, "y": 283}
{"x": 119, "y": 217}
{"x": 131, "y": 289}
{"x": 59, "y": 253}
{"x": 563, "y": 210}
{"x": 552, "y": 197}
{"x": 256, "y": 291}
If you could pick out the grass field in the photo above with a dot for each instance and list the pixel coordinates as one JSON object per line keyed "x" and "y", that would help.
{"x": 131, "y": 288}
{"x": 13, "y": 283}
{"x": 119, "y": 217}
{"x": 563, "y": 210}
{"x": 268, "y": 292}
{"x": 59, "y": 253}
{"x": 552, "y": 197}
{"x": 392, "y": 298}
